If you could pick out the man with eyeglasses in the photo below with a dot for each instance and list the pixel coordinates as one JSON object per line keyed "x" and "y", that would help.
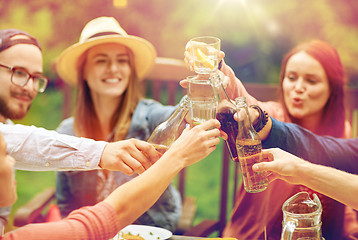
{"x": 20, "y": 73}
{"x": 21, "y": 78}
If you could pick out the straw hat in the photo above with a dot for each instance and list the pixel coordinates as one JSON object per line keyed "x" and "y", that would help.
{"x": 104, "y": 30}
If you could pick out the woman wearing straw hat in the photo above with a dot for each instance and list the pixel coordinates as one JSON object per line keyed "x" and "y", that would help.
{"x": 106, "y": 66}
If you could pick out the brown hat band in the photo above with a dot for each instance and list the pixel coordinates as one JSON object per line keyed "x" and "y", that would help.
{"x": 103, "y": 34}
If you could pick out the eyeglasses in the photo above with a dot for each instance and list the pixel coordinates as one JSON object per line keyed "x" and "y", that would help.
{"x": 20, "y": 77}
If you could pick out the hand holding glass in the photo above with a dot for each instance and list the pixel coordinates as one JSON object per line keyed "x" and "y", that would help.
{"x": 205, "y": 53}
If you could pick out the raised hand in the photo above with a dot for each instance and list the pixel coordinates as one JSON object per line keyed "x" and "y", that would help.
{"x": 283, "y": 165}
{"x": 196, "y": 143}
{"x": 128, "y": 156}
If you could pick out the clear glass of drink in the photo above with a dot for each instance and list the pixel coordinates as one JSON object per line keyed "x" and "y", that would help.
{"x": 249, "y": 151}
{"x": 205, "y": 53}
{"x": 202, "y": 109}
{"x": 199, "y": 86}
{"x": 201, "y": 99}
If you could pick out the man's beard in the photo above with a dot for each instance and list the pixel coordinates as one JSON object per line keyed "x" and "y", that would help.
{"x": 6, "y": 112}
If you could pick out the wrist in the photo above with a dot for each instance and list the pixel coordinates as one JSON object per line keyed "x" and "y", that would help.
{"x": 261, "y": 120}
{"x": 100, "y": 163}
{"x": 304, "y": 170}
{"x": 220, "y": 64}
{"x": 265, "y": 132}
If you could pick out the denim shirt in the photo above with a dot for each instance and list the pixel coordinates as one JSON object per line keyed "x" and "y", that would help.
{"x": 77, "y": 189}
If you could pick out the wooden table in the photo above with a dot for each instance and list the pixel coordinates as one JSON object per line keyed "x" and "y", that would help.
{"x": 179, "y": 237}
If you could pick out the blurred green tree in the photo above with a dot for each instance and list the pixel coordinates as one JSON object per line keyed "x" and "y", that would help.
{"x": 255, "y": 34}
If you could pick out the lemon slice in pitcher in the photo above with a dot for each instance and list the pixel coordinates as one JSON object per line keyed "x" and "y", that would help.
{"x": 204, "y": 59}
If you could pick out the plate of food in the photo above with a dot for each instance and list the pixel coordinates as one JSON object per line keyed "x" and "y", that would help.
{"x": 142, "y": 232}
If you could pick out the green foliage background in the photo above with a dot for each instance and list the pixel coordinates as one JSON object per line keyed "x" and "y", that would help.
{"x": 255, "y": 34}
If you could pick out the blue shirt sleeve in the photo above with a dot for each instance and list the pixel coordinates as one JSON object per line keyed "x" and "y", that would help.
{"x": 147, "y": 116}
{"x": 324, "y": 150}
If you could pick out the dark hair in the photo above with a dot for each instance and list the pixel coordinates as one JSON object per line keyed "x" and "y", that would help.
{"x": 334, "y": 111}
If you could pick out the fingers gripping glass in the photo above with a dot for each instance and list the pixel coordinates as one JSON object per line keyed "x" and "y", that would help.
{"x": 20, "y": 76}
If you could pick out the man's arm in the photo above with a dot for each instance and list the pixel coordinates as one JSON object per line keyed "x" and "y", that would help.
{"x": 334, "y": 183}
{"x": 329, "y": 151}
{"x": 38, "y": 149}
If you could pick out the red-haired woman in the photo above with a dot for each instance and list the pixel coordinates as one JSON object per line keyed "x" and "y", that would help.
{"x": 312, "y": 95}
{"x": 312, "y": 90}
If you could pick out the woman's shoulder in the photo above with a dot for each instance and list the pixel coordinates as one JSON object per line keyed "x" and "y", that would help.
{"x": 150, "y": 113}
{"x": 66, "y": 126}
{"x": 146, "y": 102}
{"x": 150, "y": 106}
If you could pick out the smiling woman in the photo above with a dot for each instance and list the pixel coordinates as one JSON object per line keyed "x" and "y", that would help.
{"x": 107, "y": 73}
{"x": 108, "y": 65}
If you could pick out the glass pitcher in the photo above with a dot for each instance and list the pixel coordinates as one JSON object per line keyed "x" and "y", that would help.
{"x": 302, "y": 218}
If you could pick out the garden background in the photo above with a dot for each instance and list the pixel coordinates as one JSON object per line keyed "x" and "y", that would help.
{"x": 255, "y": 35}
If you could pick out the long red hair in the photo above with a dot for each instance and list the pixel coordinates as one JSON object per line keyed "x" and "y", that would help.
{"x": 333, "y": 122}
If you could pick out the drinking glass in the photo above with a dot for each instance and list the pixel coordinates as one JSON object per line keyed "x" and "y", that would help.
{"x": 202, "y": 109}
{"x": 199, "y": 86}
{"x": 205, "y": 53}
{"x": 201, "y": 99}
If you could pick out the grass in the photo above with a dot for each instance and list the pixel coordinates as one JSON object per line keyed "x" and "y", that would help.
{"x": 202, "y": 179}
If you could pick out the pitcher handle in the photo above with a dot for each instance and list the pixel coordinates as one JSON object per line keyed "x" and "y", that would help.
{"x": 288, "y": 230}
